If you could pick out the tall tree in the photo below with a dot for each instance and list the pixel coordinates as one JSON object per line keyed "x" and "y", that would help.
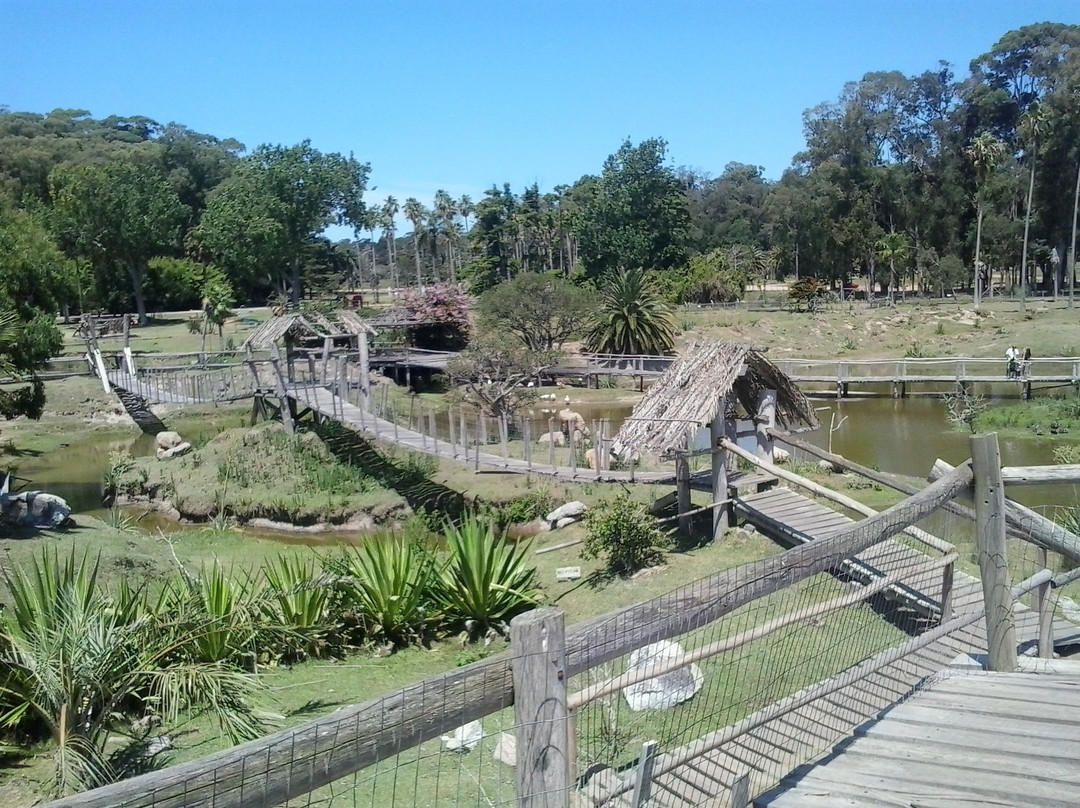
{"x": 120, "y": 214}
{"x": 986, "y": 153}
{"x": 416, "y": 214}
{"x": 635, "y": 214}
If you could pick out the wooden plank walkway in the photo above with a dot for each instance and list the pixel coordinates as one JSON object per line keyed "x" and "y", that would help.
{"x": 1009, "y": 739}
{"x": 792, "y": 519}
{"x": 324, "y": 402}
{"x": 781, "y": 745}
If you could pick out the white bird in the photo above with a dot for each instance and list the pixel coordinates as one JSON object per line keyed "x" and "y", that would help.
{"x": 530, "y": 384}
{"x": 567, "y": 399}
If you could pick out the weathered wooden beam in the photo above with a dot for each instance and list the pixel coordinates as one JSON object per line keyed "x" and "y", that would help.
{"x": 993, "y": 560}
{"x": 720, "y": 516}
{"x": 1028, "y": 525}
{"x": 1040, "y": 475}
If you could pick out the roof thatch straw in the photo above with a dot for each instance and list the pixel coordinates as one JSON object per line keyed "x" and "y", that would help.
{"x": 685, "y": 398}
{"x": 312, "y": 325}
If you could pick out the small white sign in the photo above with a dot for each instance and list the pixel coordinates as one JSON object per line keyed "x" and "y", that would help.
{"x": 567, "y": 573}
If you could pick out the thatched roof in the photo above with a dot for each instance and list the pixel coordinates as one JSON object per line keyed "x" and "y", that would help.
{"x": 308, "y": 326}
{"x": 685, "y": 398}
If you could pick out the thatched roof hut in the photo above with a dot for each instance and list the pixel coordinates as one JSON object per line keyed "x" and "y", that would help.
{"x": 297, "y": 328}
{"x": 685, "y": 398}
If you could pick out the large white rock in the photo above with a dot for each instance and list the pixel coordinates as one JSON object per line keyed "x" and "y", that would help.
{"x": 572, "y": 510}
{"x": 465, "y": 738}
{"x": 558, "y": 438}
{"x": 506, "y": 749}
{"x": 780, "y": 455}
{"x": 167, "y": 440}
{"x": 668, "y": 689}
{"x": 179, "y": 449}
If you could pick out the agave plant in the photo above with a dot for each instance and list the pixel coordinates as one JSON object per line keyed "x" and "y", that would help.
{"x": 386, "y": 587}
{"x": 221, "y": 608}
{"x": 631, "y": 317}
{"x": 486, "y": 579}
{"x": 296, "y": 605}
{"x": 77, "y": 665}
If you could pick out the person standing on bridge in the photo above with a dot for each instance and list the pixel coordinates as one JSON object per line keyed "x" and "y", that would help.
{"x": 1012, "y": 357}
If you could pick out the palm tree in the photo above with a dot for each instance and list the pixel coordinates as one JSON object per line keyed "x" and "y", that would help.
{"x": 415, "y": 213}
{"x": 891, "y": 248}
{"x": 445, "y": 210}
{"x": 985, "y": 152}
{"x": 630, "y": 318}
{"x": 1032, "y": 127}
{"x": 78, "y": 663}
{"x": 390, "y": 210}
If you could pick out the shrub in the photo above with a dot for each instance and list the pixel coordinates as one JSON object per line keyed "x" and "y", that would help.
{"x": 295, "y": 607}
{"x": 385, "y": 589}
{"x": 625, "y": 535}
{"x": 486, "y": 579}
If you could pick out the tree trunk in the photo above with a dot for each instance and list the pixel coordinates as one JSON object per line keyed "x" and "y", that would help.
{"x": 1072, "y": 249}
{"x": 137, "y": 292}
{"x": 978, "y": 249}
{"x": 296, "y": 290}
{"x": 416, "y": 253}
{"x": 1027, "y": 228}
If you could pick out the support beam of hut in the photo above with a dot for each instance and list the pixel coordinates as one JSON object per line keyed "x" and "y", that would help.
{"x": 721, "y": 516}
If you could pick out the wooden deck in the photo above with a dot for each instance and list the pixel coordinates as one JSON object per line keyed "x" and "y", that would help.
{"x": 1006, "y": 739}
{"x": 783, "y": 744}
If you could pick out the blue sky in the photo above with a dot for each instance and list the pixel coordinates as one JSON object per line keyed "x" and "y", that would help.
{"x": 461, "y": 94}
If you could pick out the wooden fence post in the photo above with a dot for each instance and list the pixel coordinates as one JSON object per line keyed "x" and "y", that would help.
{"x": 993, "y": 562}
{"x": 538, "y": 640}
{"x": 682, "y": 487}
{"x": 527, "y": 438}
{"x": 643, "y": 779}
{"x": 740, "y": 791}
{"x": 719, "y": 460}
{"x": 504, "y": 437}
{"x": 1045, "y": 603}
{"x": 551, "y": 442}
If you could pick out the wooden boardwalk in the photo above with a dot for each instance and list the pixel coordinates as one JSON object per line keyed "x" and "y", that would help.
{"x": 782, "y": 744}
{"x": 324, "y": 402}
{"x": 1007, "y": 739}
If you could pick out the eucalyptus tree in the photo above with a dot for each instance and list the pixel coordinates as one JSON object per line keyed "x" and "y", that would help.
{"x": 1032, "y": 127}
{"x": 416, "y": 214}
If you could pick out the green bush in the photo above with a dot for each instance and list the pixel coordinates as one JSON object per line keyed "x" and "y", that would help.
{"x": 625, "y": 535}
{"x": 486, "y": 580}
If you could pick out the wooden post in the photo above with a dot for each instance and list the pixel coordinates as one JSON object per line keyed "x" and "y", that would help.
{"x": 605, "y": 426}
{"x": 463, "y": 431}
{"x": 1045, "y": 602}
{"x": 527, "y": 438}
{"x": 993, "y": 562}
{"x": 682, "y": 486}
{"x": 365, "y": 372}
{"x": 720, "y": 518}
{"x": 763, "y": 422}
{"x": 643, "y": 777}
{"x": 283, "y": 398}
{"x": 947, "y": 574}
{"x": 504, "y": 436}
{"x": 740, "y": 791}
{"x": 538, "y": 641}
{"x": 432, "y": 427}
{"x": 483, "y": 430}
{"x": 551, "y": 442}
{"x": 327, "y": 347}
{"x": 450, "y": 427}
{"x": 573, "y": 448}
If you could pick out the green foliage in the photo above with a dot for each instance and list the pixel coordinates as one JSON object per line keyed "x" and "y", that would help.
{"x": 534, "y": 504}
{"x": 492, "y": 373}
{"x": 630, "y": 317}
{"x": 714, "y": 278}
{"x": 805, "y": 290}
{"x": 385, "y": 591}
{"x": 543, "y": 311}
{"x": 486, "y": 580}
{"x": 78, "y": 663}
{"x": 295, "y": 607}
{"x": 624, "y": 535}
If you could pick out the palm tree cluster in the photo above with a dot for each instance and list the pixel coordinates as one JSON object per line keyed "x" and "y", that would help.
{"x": 96, "y": 670}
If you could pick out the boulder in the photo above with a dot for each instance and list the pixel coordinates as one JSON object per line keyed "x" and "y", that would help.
{"x": 564, "y": 522}
{"x": 558, "y": 438}
{"x": 167, "y": 440}
{"x": 580, "y": 436}
{"x": 506, "y": 749}
{"x": 568, "y": 416}
{"x": 573, "y": 510}
{"x": 780, "y": 455}
{"x": 179, "y": 449}
{"x": 34, "y": 509}
{"x": 465, "y": 738}
{"x": 591, "y": 459}
{"x": 668, "y": 689}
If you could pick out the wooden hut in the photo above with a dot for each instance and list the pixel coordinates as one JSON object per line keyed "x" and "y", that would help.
{"x": 312, "y": 335}
{"x": 710, "y": 387}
